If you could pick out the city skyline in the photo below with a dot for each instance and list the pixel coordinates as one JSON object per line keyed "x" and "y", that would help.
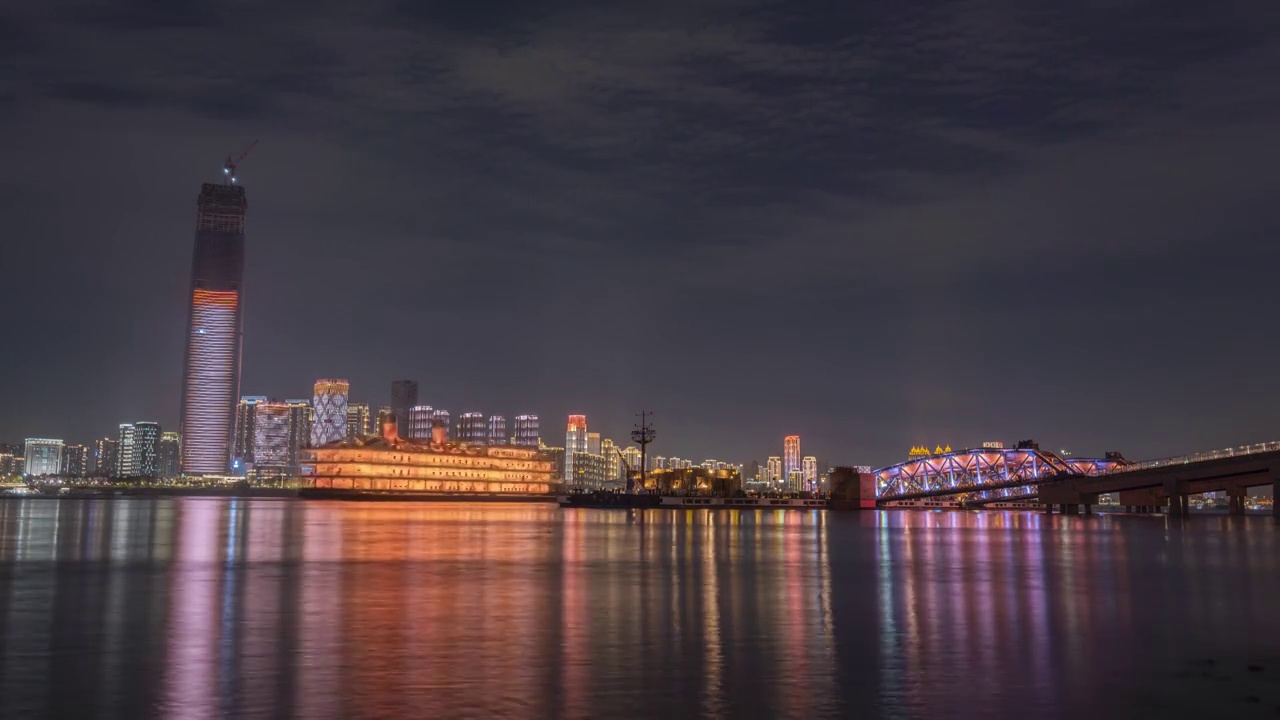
{"x": 817, "y": 247}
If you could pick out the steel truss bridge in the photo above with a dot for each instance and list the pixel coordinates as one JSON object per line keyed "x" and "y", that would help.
{"x": 984, "y": 475}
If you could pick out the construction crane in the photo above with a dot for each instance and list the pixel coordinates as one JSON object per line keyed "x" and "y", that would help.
{"x": 229, "y": 167}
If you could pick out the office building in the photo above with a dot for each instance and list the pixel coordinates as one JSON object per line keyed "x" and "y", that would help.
{"x": 124, "y": 451}
{"x": 809, "y": 473}
{"x": 329, "y": 411}
{"x": 211, "y": 369}
{"x": 588, "y": 470}
{"x": 593, "y": 443}
{"x": 498, "y": 430}
{"x": 300, "y": 415}
{"x": 242, "y": 442}
{"x": 104, "y": 457}
{"x": 632, "y": 455}
{"x": 441, "y": 418}
{"x": 526, "y": 431}
{"x": 404, "y": 395}
{"x": 575, "y": 441}
{"x": 146, "y": 450}
{"x": 790, "y": 455}
{"x": 10, "y": 464}
{"x": 271, "y": 438}
{"x": 472, "y": 429}
{"x": 384, "y": 412}
{"x": 359, "y": 422}
{"x": 73, "y": 461}
{"x": 773, "y": 470}
{"x": 42, "y": 456}
{"x": 170, "y": 455}
{"x": 421, "y": 420}
{"x": 612, "y": 466}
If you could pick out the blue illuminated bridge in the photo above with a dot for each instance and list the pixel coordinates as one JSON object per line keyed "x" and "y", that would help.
{"x": 978, "y": 476}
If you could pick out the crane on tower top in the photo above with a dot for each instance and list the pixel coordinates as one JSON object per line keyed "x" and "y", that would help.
{"x": 229, "y": 167}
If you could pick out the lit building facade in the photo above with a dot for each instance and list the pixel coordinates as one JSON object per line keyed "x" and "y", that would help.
{"x": 498, "y": 430}
{"x": 588, "y": 470}
{"x": 211, "y": 368}
{"x": 103, "y": 457}
{"x": 146, "y": 449}
{"x": 170, "y": 455}
{"x": 271, "y": 437}
{"x": 404, "y": 396}
{"x": 440, "y": 417}
{"x": 73, "y": 461}
{"x": 695, "y": 481}
{"x": 809, "y": 473}
{"x": 790, "y": 455}
{"x": 359, "y": 422}
{"x": 632, "y": 455}
{"x": 300, "y": 414}
{"x": 526, "y": 431}
{"x": 773, "y": 470}
{"x": 124, "y": 451}
{"x": 329, "y": 411}
{"x": 472, "y": 429}
{"x": 242, "y": 441}
{"x": 612, "y": 466}
{"x": 388, "y": 463}
{"x": 421, "y": 418}
{"x": 575, "y": 441}
{"x": 42, "y": 456}
{"x": 556, "y": 455}
{"x": 11, "y": 464}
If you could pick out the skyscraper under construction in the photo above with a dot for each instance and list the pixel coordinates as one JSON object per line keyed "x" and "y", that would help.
{"x": 211, "y": 370}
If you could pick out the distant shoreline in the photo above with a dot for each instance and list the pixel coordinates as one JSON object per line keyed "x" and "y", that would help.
{"x": 278, "y": 493}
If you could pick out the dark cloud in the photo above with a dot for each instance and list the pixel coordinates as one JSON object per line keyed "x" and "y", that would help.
{"x": 874, "y": 224}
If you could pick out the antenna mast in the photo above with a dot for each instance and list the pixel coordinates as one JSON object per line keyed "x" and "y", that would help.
{"x": 642, "y": 435}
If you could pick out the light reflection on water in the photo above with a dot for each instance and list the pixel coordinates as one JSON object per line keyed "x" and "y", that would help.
{"x": 204, "y": 607}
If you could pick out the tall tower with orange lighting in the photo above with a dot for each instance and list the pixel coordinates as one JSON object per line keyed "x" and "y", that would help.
{"x": 211, "y": 369}
{"x": 790, "y": 456}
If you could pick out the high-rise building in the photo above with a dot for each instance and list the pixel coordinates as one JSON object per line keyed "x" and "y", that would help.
{"x": 631, "y": 455}
{"x": 575, "y": 441}
{"x": 359, "y": 423}
{"x": 612, "y": 468}
{"x": 497, "y": 430}
{"x": 753, "y": 471}
{"x": 73, "y": 461}
{"x": 146, "y": 449}
{"x": 659, "y": 462}
{"x": 790, "y": 455}
{"x": 170, "y": 455}
{"x": 104, "y": 457}
{"x": 271, "y": 435}
{"x": 329, "y": 411}
{"x": 242, "y": 442}
{"x": 809, "y": 473}
{"x": 472, "y": 429}
{"x": 795, "y": 481}
{"x": 588, "y": 470}
{"x": 124, "y": 451}
{"x": 441, "y": 417}
{"x": 10, "y": 464}
{"x": 404, "y": 395}
{"x": 299, "y": 429}
{"x": 526, "y": 431}
{"x": 418, "y": 426}
{"x": 773, "y": 470}
{"x": 593, "y": 443}
{"x": 384, "y": 412}
{"x": 42, "y": 457}
{"x": 211, "y": 370}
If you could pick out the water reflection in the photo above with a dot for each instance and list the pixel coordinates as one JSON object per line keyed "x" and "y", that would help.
{"x": 201, "y": 607}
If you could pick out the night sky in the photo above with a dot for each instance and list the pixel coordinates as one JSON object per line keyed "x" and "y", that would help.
{"x": 873, "y": 224}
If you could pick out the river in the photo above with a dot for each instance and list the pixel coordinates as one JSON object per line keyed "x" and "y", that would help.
{"x": 195, "y": 608}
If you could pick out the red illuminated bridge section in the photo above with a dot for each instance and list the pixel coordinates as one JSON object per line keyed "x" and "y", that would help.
{"x": 984, "y": 474}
